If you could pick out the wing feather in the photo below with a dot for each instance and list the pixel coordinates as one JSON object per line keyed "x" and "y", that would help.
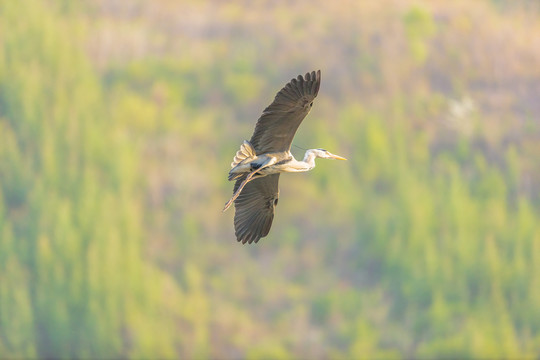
{"x": 278, "y": 123}
{"x": 255, "y": 208}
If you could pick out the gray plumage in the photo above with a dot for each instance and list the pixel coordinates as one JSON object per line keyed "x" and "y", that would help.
{"x": 278, "y": 123}
{"x": 255, "y": 208}
{"x": 258, "y": 163}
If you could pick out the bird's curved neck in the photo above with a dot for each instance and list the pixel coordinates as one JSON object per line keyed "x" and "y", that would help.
{"x": 309, "y": 159}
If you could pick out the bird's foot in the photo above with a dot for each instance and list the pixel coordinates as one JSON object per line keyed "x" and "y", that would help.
{"x": 248, "y": 179}
{"x": 228, "y": 204}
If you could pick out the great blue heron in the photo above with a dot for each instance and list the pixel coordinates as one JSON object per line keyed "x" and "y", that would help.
{"x": 258, "y": 163}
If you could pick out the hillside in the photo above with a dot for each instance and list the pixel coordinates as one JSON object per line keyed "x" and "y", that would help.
{"x": 118, "y": 122}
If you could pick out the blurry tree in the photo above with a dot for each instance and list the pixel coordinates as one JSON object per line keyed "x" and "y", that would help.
{"x": 117, "y": 124}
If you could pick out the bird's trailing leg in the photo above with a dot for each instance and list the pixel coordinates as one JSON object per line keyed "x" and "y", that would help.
{"x": 235, "y": 195}
{"x": 248, "y": 179}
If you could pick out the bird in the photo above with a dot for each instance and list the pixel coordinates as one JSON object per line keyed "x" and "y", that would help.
{"x": 259, "y": 162}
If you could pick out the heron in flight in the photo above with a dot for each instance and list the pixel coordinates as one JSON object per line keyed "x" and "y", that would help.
{"x": 258, "y": 163}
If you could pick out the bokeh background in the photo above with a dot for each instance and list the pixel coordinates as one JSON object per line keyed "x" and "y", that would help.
{"x": 118, "y": 122}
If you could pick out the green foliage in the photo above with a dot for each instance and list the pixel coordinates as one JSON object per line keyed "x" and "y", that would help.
{"x": 75, "y": 274}
{"x": 419, "y": 27}
{"x": 425, "y": 244}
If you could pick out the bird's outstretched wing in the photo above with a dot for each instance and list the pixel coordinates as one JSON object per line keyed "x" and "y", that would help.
{"x": 255, "y": 208}
{"x": 278, "y": 123}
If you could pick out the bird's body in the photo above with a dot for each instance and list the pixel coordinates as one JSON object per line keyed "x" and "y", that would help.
{"x": 258, "y": 163}
{"x": 279, "y": 162}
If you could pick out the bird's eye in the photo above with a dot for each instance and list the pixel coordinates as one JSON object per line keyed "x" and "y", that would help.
{"x": 310, "y": 104}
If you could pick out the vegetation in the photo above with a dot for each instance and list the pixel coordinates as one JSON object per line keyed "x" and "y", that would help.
{"x": 117, "y": 124}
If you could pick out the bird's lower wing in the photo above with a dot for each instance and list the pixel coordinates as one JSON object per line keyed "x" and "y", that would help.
{"x": 255, "y": 208}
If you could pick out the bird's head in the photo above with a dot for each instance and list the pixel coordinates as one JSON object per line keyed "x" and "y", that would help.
{"x": 325, "y": 154}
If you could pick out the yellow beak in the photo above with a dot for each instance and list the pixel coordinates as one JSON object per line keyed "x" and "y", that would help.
{"x": 337, "y": 157}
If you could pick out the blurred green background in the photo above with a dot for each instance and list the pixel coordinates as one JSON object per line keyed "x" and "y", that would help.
{"x": 118, "y": 122}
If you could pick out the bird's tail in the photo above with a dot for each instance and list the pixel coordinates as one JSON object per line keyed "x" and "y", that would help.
{"x": 246, "y": 152}
{"x": 240, "y": 162}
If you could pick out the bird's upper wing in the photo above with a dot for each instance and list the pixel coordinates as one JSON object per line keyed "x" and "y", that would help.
{"x": 278, "y": 123}
{"x": 255, "y": 208}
